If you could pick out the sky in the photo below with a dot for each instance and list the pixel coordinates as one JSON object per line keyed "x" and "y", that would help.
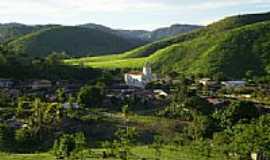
{"x": 126, "y": 14}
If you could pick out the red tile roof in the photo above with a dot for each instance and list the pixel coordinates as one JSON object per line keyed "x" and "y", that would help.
{"x": 137, "y": 73}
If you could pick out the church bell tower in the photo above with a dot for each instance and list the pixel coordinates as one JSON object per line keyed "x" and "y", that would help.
{"x": 147, "y": 72}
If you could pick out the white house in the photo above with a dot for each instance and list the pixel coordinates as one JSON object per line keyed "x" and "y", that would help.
{"x": 41, "y": 84}
{"x": 207, "y": 82}
{"x": 160, "y": 92}
{"x": 139, "y": 79}
{"x": 234, "y": 83}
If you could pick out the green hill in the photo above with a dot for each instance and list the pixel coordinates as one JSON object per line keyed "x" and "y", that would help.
{"x": 88, "y": 39}
{"x": 11, "y": 31}
{"x": 75, "y": 41}
{"x": 232, "y": 53}
{"x": 232, "y": 46}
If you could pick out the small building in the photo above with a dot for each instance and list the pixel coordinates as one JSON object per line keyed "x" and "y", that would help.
{"x": 6, "y": 83}
{"x": 234, "y": 83}
{"x": 160, "y": 92}
{"x": 71, "y": 106}
{"x": 217, "y": 102}
{"x": 139, "y": 79}
{"x": 41, "y": 84}
{"x": 207, "y": 82}
{"x": 259, "y": 156}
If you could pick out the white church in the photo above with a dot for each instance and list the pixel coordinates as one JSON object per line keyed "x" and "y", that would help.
{"x": 139, "y": 79}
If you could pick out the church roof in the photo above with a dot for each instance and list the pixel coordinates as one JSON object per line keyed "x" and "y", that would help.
{"x": 137, "y": 73}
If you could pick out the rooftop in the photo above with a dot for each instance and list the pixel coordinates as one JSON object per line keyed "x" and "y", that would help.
{"x": 137, "y": 73}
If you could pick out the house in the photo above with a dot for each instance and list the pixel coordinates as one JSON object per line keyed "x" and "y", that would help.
{"x": 207, "y": 82}
{"x": 6, "y": 83}
{"x": 217, "y": 102}
{"x": 160, "y": 92}
{"x": 139, "y": 79}
{"x": 71, "y": 106}
{"x": 41, "y": 84}
{"x": 234, "y": 83}
{"x": 259, "y": 156}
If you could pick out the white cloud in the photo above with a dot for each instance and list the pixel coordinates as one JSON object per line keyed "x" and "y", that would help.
{"x": 24, "y": 7}
{"x": 111, "y": 12}
{"x": 48, "y": 6}
{"x": 69, "y": 6}
{"x": 65, "y": 9}
{"x": 216, "y": 4}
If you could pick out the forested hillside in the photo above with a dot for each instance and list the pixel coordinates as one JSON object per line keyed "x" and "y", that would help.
{"x": 82, "y": 40}
{"x": 10, "y": 31}
{"x": 232, "y": 47}
{"x": 74, "y": 41}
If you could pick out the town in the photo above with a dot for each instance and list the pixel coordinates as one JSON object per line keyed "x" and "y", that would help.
{"x": 146, "y": 87}
{"x": 134, "y": 80}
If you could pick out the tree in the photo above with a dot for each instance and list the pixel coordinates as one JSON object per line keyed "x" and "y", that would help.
{"x": 26, "y": 141}
{"x": 202, "y": 147}
{"x": 201, "y": 127}
{"x": 199, "y": 105}
{"x": 64, "y": 146}
{"x": 125, "y": 110}
{"x": 42, "y": 118}
{"x": 90, "y": 96}
{"x": 6, "y": 137}
{"x": 250, "y": 75}
{"x": 60, "y": 94}
{"x": 4, "y": 100}
{"x": 244, "y": 139}
{"x": 71, "y": 146}
{"x": 237, "y": 111}
{"x": 181, "y": 93}
{"x": 55, "y": 58}
{"x": 3, "y": 60}
{"x": 125, "y": 138}
{"x": 219, "y": 76}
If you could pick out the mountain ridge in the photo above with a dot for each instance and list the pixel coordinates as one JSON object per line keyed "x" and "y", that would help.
{"x": 29, "y": 39}
{"x": 145, "y": 34}
{"x": 9, "y": 31}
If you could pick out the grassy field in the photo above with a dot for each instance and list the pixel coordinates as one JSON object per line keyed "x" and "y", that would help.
{"x": 38, "y": 156}
{"x": 108, "y": 62}
{"x": 139, "y": 152}
{"x": 144, "y": 123}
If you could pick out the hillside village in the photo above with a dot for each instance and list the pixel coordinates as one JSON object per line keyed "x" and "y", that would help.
{"x": 145, "y": 91}
{"x": 142, "y": 85}
{"x": 203, "y": 94}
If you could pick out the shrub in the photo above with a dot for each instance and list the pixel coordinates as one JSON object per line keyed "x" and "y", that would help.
{"x": 69, "y": 145}
{"x": 90, "y": 96}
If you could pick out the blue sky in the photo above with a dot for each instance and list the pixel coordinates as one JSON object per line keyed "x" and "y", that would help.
{"x": 126, "y": 14}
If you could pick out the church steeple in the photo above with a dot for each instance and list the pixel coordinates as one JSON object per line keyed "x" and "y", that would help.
{"x": 147, "y": 72}
{"x": 139, "y": 79}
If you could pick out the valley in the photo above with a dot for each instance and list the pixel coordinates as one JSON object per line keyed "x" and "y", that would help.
{"x": 90, "y": 92}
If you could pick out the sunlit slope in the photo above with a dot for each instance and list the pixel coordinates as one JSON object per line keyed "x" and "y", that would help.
{"x": 232, "y": 53}
{"x": 218, "y": 48}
